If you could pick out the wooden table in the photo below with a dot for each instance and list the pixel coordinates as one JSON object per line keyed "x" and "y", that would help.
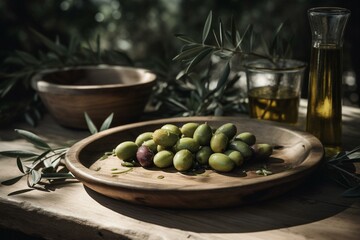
{"x": 314, "y": 210}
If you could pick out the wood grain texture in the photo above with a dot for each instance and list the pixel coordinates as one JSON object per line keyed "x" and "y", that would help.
{"x": 301, "y": 154}
{"x": 313, "y": 210}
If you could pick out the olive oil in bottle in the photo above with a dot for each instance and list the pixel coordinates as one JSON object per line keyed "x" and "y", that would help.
{"x": 325, "y": 96}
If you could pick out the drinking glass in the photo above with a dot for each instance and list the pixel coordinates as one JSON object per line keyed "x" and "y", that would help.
{"x": 274, "y": 89}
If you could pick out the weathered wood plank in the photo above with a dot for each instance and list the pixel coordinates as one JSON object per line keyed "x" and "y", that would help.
{"x": 314, "y": 210}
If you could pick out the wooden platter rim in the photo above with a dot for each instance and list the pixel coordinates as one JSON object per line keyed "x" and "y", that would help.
{"x": 88, "y": 176}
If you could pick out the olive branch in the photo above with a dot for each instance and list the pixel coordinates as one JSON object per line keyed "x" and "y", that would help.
{"x": 231, "y": 42}
{"x": 341, "y": 170}
{"x": 20, "y": 67}
{"x": 199, "y": 89}
{"x": 49, "y": 163}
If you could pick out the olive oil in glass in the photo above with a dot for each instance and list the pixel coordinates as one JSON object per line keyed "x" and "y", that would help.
{"x": 279, "y": 105}
{"x": 274, "y": 89}
{"x": 324, "y": 116}
{"x": 325, "y": 96}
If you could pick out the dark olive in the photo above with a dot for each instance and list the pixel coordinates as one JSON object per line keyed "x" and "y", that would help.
{"x": 145, "y": 156}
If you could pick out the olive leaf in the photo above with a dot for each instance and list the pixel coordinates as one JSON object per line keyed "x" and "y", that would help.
{"x": 91, "y": 126}
{"x": 222, "y": 83}
{"x": 12, "y": 181}
{"x": 216, "y": 39}
{"x": 198, "y": 58}
{"x": 234, "y": 33}
{"x": 352, "y": 192}
{"x": 207, "y": 27}
{"x": 189, "y": 53}
{"x": 106, "y": 124}
{"x": 221, "y": 33}
{"x": 20, "y": 165}
{"x": 263, "y": 172}
{"x": 33, "y": 138}
{"x": 27, "y": 58}
{"x": 57, "y": 176}
{"x": 57, "y": 48}
{"x": 34, "y": 178}
{"x": 18, "y": 153}
{"x": 184, "y": 38}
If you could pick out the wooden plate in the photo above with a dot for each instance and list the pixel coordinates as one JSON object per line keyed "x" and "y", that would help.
{"x": 300, "y": 154}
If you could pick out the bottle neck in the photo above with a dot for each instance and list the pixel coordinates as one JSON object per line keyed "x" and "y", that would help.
{"x": 327, "y": 26}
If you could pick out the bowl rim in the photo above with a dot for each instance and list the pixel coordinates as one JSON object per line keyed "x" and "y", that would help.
{"x": 293, "y": 65}
{"x": 39, "y": 84}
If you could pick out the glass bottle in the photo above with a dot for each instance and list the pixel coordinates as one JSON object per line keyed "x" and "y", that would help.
{"x": 324, "y": 114}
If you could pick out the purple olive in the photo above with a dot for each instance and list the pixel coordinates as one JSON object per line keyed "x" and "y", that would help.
{"x": 145, "y": 156}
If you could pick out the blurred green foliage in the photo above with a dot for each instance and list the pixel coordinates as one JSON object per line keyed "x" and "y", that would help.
{"x": 145, "y": 29}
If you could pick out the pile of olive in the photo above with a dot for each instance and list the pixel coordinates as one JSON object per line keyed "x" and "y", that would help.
{"x": 194, "y": 144}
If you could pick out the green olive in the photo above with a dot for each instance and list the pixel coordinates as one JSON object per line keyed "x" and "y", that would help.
{"x": 203, "y": 134}
{"x": 163, "y": 159}
{"x": 187, "y": 143}
{"x": 126, "y": 150}
{"x": 172, "y": 128}
{"x": 188, "y": 129}
{"x": 221, "y": 162}
{"x": 219, "y": 142}
{"x": 202, "y": 156}
{"x": 229, "y": 129}
{"x": 247, "y": 138}
{"x": 183, "y": 160}
{"x": 165, "y": 137}
{"x": 161, "y": 148}
{"x": 143, "y": 137}
{"x": 151, "y": 145}
{"x": 236, "y": 156}
{"x": 262, "y": 151}
{"x": 242, "y": 147}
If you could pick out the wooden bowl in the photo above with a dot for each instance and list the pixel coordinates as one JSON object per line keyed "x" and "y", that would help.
{"x": 97, "y": 90}
{"x": 300, "y": 154}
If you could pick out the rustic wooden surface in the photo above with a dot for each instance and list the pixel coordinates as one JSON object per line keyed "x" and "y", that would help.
{"x": 314, "y": 210}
